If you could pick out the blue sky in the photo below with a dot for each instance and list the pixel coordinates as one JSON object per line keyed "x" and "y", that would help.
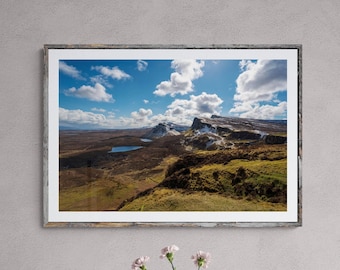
{"x": 97, "y": 94}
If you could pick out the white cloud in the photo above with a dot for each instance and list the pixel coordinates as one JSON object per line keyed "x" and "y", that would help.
{"x": 142, "y": 65}
{"x": 180, "y": 111}
{"x": 78, "y": 118}
{"x": 260, "y": 83}
{"x": 102, "y": 80}
{"x": 114, "y": 72}
{"x": 89, "y": 120}
{"x": 111, "y": 115}
{"x": 137, "y": 119}
{"x": 83, "y": 119}
{"x": 141, "y": 115}
{"x": 98, "y": 110}
{"x": 266, "y": 111}
{"x": 96, "y": 93}
{"x": 244, "y": 63}
{"x": 146, "y": 101}
{"x": 70, "y": 71}
{"x": 183, "y": 111}
{"x": 181, "y": 80}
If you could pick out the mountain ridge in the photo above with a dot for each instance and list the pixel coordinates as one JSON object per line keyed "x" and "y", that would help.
{"x": 218, "y": 132}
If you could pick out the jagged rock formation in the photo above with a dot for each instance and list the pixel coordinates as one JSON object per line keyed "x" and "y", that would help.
{"x": 161, "y": 130}
{"x": 229, "y": 124}
{"x": 220, "y": 132}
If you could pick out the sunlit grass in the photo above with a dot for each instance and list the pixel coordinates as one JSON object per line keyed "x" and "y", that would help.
{"x": 209, "y": 180}
{"x": 163, "y": 199}
{"x": 108, "y": 192}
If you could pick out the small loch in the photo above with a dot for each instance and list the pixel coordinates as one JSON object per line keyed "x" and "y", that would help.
{"x": 127, "y": 148}
{"x": 145, "y": 140}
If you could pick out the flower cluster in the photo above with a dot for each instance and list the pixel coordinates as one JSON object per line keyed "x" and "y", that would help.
{"x": 200, "y": 259}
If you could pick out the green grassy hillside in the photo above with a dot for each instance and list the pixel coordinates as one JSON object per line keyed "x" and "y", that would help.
{"x": 232, "y": 180}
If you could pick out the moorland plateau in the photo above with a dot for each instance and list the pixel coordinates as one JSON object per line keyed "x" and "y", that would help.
{"x": 217, "y": 164}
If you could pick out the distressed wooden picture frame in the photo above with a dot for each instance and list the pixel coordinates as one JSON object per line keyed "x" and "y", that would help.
{"x": 172, "y": 135}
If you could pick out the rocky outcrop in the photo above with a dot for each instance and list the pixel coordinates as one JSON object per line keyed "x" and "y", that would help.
{"x": 220, "y": 132}
{"x": 199, "y": 124}
{"x": 272, "y": 139}
{"x": 244, "y": 135}
{"x": 161, "y": 130}
{"x": 230, "y": 124}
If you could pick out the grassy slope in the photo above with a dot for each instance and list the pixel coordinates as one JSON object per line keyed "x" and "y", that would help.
{"x": 108, "y": 190}
{"x": 267, "y": 173}
{"x": 164, "y": 199}
{"x": 109, "y": 182}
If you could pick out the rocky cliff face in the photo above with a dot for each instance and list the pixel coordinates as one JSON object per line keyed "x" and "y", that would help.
{"x": 226, "y": 132}
{"x": 230, "y": 124}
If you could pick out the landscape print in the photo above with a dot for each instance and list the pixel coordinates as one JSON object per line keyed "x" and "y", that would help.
{"x": 173, "y": 135}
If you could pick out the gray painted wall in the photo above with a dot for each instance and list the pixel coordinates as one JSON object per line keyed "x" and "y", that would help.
{"x": 26, "y": 25}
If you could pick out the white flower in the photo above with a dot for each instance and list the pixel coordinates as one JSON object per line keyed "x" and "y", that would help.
{"x": 168, "y": 250}
{"x": 201, "y": 259}
{"x": 139, "y": 263}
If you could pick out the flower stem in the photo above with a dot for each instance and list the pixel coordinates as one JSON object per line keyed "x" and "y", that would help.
{"x": 172, "y": 265}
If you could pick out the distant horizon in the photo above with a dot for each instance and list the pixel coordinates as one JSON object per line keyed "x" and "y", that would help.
{"x": 130, "y": 94}
{"x": 83, "y": 128}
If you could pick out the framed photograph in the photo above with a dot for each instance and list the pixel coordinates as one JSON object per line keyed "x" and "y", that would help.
{"x": 172, "y": 135}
